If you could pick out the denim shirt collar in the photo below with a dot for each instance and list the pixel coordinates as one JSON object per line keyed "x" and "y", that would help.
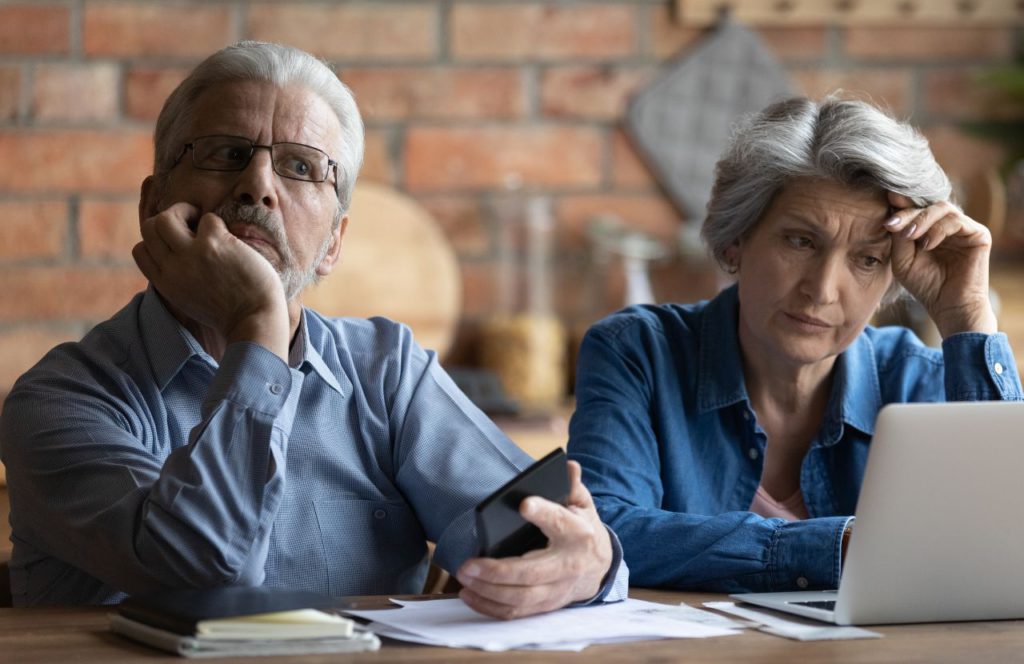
{"x": 169, "y": 345}
{"x": 856, "y": 395}
{"x": 719, "y": 369}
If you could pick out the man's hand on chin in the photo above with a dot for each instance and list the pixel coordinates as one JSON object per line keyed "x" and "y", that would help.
{"x": 570, "y": 569}
{"x": 214, "y": 278}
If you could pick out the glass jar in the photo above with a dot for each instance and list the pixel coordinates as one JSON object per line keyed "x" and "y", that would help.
{"x": 524, "y": 342}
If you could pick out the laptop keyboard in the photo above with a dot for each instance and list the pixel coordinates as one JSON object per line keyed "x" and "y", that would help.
{"x": 826, "y": 604}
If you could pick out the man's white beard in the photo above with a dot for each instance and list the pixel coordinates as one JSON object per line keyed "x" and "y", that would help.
{"x": 293, "y": 278}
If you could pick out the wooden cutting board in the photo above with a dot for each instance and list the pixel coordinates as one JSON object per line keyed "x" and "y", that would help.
{"x": 395, "y": 262}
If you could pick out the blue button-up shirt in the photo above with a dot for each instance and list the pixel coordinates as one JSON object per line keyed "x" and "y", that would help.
{"x": 672, "y": 451}
{"x": 136, "y": 462}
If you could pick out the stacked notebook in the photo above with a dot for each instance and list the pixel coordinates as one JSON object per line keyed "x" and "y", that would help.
{"x": 239, "y": 622}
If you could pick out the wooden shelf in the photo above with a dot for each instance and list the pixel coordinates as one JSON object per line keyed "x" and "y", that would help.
{"x": 953, "y": 13}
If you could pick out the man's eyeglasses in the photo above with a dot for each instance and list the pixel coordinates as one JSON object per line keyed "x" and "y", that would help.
{"x": 233, "y": 153}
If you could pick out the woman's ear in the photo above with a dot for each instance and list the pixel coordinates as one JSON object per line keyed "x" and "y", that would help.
{"x": 732, "y": 257}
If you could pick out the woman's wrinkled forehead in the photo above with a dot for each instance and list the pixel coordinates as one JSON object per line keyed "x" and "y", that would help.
{"x": 832, "y": 207}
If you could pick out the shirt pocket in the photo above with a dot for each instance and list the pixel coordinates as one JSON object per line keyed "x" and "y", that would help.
{"x": 372, "y": 547}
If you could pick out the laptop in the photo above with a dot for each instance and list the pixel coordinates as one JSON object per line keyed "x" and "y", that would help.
{"x": 939, "y": 534}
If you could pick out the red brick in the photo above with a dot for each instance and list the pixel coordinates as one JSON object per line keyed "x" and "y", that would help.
{"x": 147, "y": 88}
{"x": 646, "y": 213}
{"x": 542, "y": 31}
{"x": 108, "y": 229}
{"x": 963, "y": 155}
{"x": 960, "y": 93}
{"x": 437, "y": 93}
{"x": 35, "y": 29}
{"x": 100, "y": 161}
{"x": 684, "y": 281}
{"x": 155, "y": 28}
{"x": 377, "y": 162}
{"x": 888, "y": 88}
{"x": 598, "y": 93}
{"x": 795, "y": 43}
{"x": 40, "y": 293}
{"x": 670, "y": 36}
{"x": 22, "y": 347}
{"x": 463, "y": 221}
{"x": 628, "y": 168}
{"x": 10, "y": 92}
{"x": 473, "y": 158}
{"x": 404, "y": 31}
{"x": 926, "y": 43}
{"x": 32, "y": 229}
{"x": 75, "y": 92}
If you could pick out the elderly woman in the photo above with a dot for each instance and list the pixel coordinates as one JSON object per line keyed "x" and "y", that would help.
{"x": 725, "y": 441}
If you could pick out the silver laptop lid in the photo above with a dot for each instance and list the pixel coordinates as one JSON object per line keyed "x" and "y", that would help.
{"x": 939, "y": 533}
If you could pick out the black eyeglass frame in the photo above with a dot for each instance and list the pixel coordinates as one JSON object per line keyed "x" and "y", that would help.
{"x": 332, "y": 165}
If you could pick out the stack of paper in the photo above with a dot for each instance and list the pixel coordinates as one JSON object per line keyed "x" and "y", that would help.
{"x": 449, "y": 622}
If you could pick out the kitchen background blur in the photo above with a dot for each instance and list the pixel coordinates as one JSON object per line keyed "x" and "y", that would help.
{"x": 504, "y": 204}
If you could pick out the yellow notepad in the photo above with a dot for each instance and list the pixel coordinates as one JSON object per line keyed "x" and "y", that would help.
{"x": 297, "y": 624}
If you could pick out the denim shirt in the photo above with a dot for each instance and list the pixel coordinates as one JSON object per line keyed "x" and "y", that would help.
{"x": 673, "y": 453}
{"x": 136, "y": 462}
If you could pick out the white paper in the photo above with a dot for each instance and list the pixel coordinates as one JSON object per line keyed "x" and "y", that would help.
{"x": 450, "y": 622}
{"x": 794, "y": 628}
{"x": 702, "y": 617}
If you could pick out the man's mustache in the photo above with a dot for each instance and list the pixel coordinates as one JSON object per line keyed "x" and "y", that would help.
{"x": 254, "y": 215}
{"x": 233, "y": 212}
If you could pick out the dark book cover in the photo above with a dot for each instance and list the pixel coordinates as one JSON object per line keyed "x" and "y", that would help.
{"x": 178, "y": 611}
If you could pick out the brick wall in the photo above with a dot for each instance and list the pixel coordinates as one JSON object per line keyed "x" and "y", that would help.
{"x": 457, "y": 95}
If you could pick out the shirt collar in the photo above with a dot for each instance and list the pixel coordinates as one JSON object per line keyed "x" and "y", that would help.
{"x": 307, "y": 352}
{"x": 167, "y": 343}
{"x": 856, "y": 395}
{"x": 719, "y": 370}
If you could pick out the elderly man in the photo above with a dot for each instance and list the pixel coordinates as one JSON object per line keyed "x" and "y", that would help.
{"x": 214, "y": 432}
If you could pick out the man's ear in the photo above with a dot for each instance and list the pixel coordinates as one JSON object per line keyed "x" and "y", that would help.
{"x": 149, "y": 198}
{"x": 326, "y": 266}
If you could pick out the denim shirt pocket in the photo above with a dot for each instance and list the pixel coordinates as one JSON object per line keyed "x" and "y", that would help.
{"x": 372, "y": 546}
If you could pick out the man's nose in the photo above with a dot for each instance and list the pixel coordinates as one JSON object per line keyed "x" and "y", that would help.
{"x": 256, "y": 183}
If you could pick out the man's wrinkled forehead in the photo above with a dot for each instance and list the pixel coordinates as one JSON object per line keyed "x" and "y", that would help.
{"x": 264, "y": 111}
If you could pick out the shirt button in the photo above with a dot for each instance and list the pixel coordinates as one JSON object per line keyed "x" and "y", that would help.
{"x": 379, "y": 514}
{"x": 746, "y": 415}
{"x": 752, "y": 453}
{"x": 998, "y": 368}
{"x": 802, "y": 582}
{"x": 275, "y": 388}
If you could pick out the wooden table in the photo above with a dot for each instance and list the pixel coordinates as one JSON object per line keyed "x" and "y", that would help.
{"x": 80, "y": 636}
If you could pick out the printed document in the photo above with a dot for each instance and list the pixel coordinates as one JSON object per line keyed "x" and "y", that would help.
{"x": 449, "y": 622}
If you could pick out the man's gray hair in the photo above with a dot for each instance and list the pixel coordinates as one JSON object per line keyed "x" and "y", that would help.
{"x": 847, "y": 141}
{"x": 268, "y": 63}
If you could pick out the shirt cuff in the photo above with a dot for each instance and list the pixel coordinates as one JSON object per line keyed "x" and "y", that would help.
{"x": 797, "y": 559}
{"x": 255, "y": 378}
{"x": 980, "y": 367}
{"x": 615, "y": 586}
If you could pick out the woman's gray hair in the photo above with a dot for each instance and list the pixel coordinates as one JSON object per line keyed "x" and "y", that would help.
{"x": 268, "y": 63}
{"x": 848, "y": 141}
